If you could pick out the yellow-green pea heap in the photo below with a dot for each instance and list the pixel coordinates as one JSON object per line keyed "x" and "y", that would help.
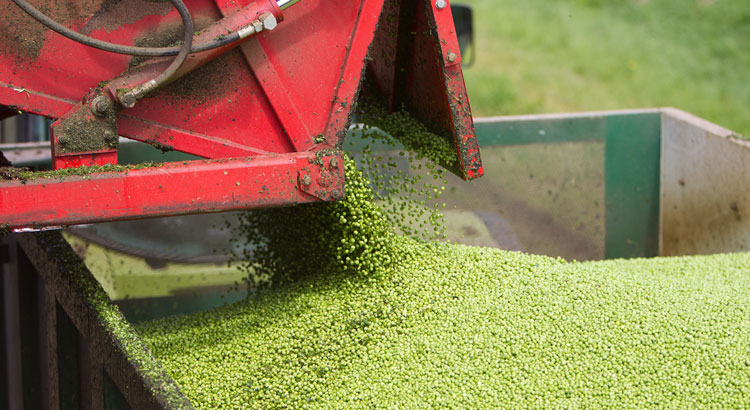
{"x": 364, "y": 318}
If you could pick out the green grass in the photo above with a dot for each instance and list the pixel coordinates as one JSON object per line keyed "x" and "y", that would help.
{"x": 540, "y": 56}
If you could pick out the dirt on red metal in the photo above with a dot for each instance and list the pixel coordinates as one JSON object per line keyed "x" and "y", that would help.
{"x": 24, "y": 37}
{"x": 283, "y": 92}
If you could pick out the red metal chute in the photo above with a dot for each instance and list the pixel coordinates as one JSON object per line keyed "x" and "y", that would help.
{"x": 268, "y": 114}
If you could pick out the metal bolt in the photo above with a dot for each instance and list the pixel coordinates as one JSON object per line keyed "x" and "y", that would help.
{"x": 334, "y": 162}
{"x": 101, "y": 105}
{"x": 452, "y": 57}
{"x": 440, "y": 4}
{"x": 269, "y": 21}
{"x": 336, "y": 194}
{"x": 128, "y": 100}
{"x": 306, "y": 180}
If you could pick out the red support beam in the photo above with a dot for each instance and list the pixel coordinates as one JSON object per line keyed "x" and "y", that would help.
{"x": 352, "y": 70}
{"x": 171, "y": 189}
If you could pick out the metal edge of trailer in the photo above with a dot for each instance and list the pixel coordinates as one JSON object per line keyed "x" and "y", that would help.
{"x": 705, "y": 188}
{"x": 92, "y": 355}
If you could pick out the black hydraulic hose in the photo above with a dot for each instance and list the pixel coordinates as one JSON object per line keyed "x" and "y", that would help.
{"x": 129, "y": 98}
{"x": 138, "y": 92}
{"x": 118, "y": 48}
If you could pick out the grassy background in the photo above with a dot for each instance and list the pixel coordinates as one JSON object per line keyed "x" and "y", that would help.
{"x": 536, "y": 56}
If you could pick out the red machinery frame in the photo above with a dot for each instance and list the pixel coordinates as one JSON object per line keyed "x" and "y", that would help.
{"x": 269, "y": 114}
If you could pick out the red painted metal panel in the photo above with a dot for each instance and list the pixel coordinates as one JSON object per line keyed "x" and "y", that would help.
{"x": 270, "y": 100}
{"x": 20, "y": 98}
{"x": 419, "y": 68}
{"x": 278, "y": 96}
{"x": 347, "y": 88}
{"x": 170, "y": 189}
{"x": 459, "y": 117}
{"x": 183, "y": 140}
{"x": 298, "y": 71}
{"x": 85, "y": 159}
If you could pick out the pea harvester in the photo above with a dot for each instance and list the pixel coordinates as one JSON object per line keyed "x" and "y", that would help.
{"x": 263, "y": 91}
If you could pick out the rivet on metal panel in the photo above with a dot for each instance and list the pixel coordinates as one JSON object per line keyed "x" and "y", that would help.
{"x": 452, "y": 57}
{"x": 440, "y": 4}
{"x": 306, "y": 180}
{"x": 325, "y": 179}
